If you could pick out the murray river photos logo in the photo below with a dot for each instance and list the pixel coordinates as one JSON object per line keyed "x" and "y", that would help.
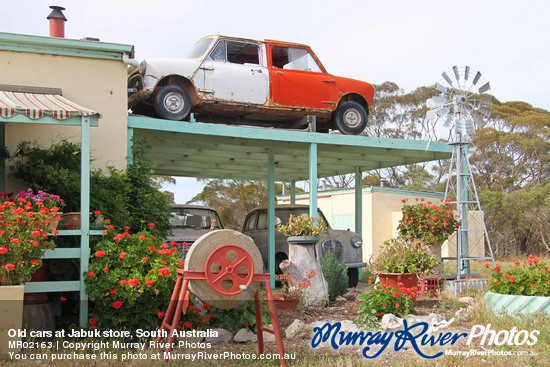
{"x": 417, "y": 335}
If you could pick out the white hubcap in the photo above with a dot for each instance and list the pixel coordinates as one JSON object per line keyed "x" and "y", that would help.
{"x": 352, "y": 118}
{"x": 173, "y": 102}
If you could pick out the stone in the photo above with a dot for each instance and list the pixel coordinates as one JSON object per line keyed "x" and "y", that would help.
{"x": 268, "y": 337}
{"x": 302, "y": 257}
{"x": 224, "y": 336}
{"x": 298, "y": 329}
{"x": 245, "y": 335}
{"x": 390, "y": 321}
{"x": 340, "y": 298}
{"x": 462, "y": 314}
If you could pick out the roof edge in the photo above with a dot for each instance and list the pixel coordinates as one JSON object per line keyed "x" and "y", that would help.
{"x": 64, "y": 46}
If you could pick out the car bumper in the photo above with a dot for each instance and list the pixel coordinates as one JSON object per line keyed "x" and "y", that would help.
{"x": 356, "y": 265}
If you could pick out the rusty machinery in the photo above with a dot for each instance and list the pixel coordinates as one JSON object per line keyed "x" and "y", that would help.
{"x": 222, "y": 269}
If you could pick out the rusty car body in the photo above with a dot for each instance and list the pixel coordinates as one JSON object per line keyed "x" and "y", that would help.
{"x": 249, "y": 81}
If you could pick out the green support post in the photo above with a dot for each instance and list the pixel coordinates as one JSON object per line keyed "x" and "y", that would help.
{"x": 313, "y": 180}
{"x": 85, "y": 222}
{"x": 271, "y": 215}
{"x": 359, "y": 206}
{"x": 2, "y": 160}
{"x": 130, "y": 143}
{"x": 293, "y": 192}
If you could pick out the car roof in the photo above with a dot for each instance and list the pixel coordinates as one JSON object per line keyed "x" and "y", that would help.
{"x": 283, "y": 206}
{"x": 254, "y": 40}
{"x": 189, "y": 206}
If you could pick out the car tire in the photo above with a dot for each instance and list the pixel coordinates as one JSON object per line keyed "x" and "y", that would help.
{"x": 350, "y": 118}
{"x": 353, "y": 277}
{"x": 172, "y": 103}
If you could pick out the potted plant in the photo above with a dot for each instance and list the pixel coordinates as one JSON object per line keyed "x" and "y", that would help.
{"x": 523, "y": 289}
{"x": 404, "y": 261}
{"x": 23, "y": 240}
{"x": 38, "y": 201}
{"x": 429, "y": 222}
{"x": 291, "y": 290}
{"x": 302, "y": 233}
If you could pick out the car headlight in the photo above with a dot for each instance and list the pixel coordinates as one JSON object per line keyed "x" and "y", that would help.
{"x": 142, "y": 67}
{"x": 356, "y": 241}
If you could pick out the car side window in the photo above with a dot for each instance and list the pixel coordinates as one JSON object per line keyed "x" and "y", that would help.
{"x": 236, "y": 52}
{"x": 251, "y": 222}
{"x": 293, "y": 59}
{"x": 262, "y": 220}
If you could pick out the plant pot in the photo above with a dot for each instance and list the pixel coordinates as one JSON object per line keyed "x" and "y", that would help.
{"x": 72, "y": 220}
{"x": 409, "y": 280}
{"x": 302, "y": 240}
{"x": 283, "y": 302}
{"x": 40, "y": 275}
{"x": 11, "y": 316}
{"x": 516, "y": 305}
{"x": 54, "y": 222}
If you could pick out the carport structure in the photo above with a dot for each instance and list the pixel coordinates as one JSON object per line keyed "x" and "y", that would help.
{"x": 202, "y": 150}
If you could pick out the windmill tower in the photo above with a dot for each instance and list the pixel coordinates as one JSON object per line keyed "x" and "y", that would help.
{"x": 463, "y": 107}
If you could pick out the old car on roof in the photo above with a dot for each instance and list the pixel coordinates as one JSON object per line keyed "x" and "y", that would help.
{"x": 189, "y": 222}
{"x": 346, "y": 246}
{"x": 249, "y": 81}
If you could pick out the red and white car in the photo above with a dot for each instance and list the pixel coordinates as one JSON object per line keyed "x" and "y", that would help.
{"x": 249, "y": 81}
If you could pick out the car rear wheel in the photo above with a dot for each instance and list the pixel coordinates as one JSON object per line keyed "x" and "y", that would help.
{"x": 353, "y": 277}
{"x": 173, "y": 103}
{"x": 350, "y": 118}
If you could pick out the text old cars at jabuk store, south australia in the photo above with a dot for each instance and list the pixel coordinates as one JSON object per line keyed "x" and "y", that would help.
{"x": 255, "y": 82}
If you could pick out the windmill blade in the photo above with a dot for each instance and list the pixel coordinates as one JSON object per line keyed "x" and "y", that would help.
{"x": 469, "y": 127}
{"x": 455, "y": 69}
{"x": 449, "y": 121}
{"x": 442, "y": 111}
{"x": 487, "y": 101}
{"x": 466, "y": 72}
{"x": 484, "y": 88}
{"x": 430, "y": 103}
{"x": 460, "y": 126}
{"x": 439, "y": 99}
{"x": 447, "y": 79}
{"x": 485, "y": 111}
{"x": 440, "y": 88}
{"x": 431, "y": 115}
{"x": 478, "y": 120}
{"x": 476, "y": 78}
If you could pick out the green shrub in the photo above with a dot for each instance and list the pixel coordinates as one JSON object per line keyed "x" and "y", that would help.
{"x": 383, "y": 300}
{"x": 240, "y": 317}
{"x": 336, "y": 275}
{"x": 130, "y": 280}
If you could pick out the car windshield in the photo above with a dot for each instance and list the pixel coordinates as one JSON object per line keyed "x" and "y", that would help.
{"x": 282, "y": 215}
{"x": 197, "y": 218}
{"x": 200, "y": 48}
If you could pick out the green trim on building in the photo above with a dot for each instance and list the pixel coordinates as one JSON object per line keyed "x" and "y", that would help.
{"x": 63, "y": 46}
{"x": 373, "y": 189}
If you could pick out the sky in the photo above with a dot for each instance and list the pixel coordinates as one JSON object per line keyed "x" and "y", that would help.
{"x": 407, "y": 42}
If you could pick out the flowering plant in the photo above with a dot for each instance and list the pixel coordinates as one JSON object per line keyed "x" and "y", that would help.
{"x": 427, "y": 221}
{"x": 400, "y": 255}
{"x": 289, "y": 287}
{"x": 37, "y": 201}
{"x": 532, "y": 278}
{"x": 23, "y": 239}
{"x": 302, "y": 226}
{"x": 130, "y": 281}
{"x": 384, "y": 299}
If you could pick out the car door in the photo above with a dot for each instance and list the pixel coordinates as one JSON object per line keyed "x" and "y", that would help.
{"x": 297, "y": 80}
{"x": 234, "y": 71}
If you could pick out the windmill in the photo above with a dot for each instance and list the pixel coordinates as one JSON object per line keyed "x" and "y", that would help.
{"x": 463, "y": 105}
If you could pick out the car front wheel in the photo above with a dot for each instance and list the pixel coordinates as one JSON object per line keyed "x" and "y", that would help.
{"x": 172, "y": 103}
{"x": 353, "y": 277}
{"x": 350, "y": 118}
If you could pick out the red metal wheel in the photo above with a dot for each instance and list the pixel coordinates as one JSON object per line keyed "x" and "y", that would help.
{"x": 229, "y": 270}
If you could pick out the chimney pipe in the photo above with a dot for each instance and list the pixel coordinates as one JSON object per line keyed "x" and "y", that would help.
{"x": 57, "y": 22}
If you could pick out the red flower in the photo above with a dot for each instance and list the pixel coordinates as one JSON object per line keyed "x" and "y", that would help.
{"x": 113, "y": 291}
{"x": 152, "y": 248}
{"x": 369, "y": 281}
{"x": 164, "y": 272}
{"x": 3, "y": 250}
{"x": 160, "y": 314}
{"x": 117, "y": 304}
{"x": 204, "y": 319}
{"x": 397, "y": 305}
{"x": 91, "y": 274}
{"x": 151, "y": 224}
{"x": 395, "y": 294}
{"x": 181, "y": 263}
{"x": 144, "y": 259}
{"x": 97, "y": 212}
{"x": 142, "y": 237}
{"x": 123, "y": 281}
{"x": 380, "y": 314}
{"x": 149, "y": 282}
{"x": 63, "y": 299}
{"x": 92, "y": 321}
{"x": 110, "y": 227}
{"x": 187, "y": 324}
{"x": 99, "y": 253}
{"x": 34, "y": 262}
{"x": 133, "y": 282}
{"x": 106, "y": 269}
{"x": 531, "y": 285}
{"x": 506, "y": 275}
{"x": 122, "y": 255}
{"x": 15, "y": 240}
